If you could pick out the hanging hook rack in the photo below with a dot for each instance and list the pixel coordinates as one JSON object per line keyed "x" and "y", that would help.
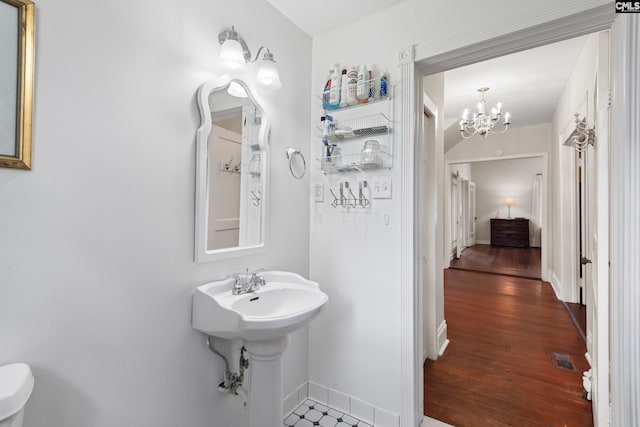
{"x": 348, "y": 199}
{"x": 230, "y": 167}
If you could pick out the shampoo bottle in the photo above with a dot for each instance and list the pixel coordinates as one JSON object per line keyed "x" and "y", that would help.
{"x": 344, "y": 89}
{"x": 383, "y": 84}
{"x": 326, "y": 93}
{"x": 334, "y": 93}
{"x": 352, "y": 84}
{"x": 362, "y": 92}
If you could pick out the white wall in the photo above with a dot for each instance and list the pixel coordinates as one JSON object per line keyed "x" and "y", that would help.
{"x": 8, "y": 74}
{"x": 462, "y": 169}
{"x": 517, "y": 141}
{"x": 502, "y": 178}
{"x": 96, "y": 247}
{"x": 577, "y": 97}
{"x": 355, "y": 345}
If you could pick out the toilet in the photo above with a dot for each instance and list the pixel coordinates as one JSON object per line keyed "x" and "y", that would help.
{"x": 16, "y": 384}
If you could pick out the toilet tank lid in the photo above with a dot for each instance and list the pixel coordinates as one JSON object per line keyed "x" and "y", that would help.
{"x": 16, "y": 384}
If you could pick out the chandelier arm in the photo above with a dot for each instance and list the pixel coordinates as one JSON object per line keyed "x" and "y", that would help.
{"x": 468, "y": 133}
{"x": 500, "y": 132}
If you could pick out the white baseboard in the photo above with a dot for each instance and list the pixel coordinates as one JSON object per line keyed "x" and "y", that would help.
{"x": 342, "y": 402}
{"x": 443, "y": 341}
{"x": 556, "y": 285}
{"x": 483, "y": 242}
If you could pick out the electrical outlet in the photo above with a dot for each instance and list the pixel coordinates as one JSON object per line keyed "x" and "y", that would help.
{"x": 382, "y": 188}
{"x": 319, "y": 193}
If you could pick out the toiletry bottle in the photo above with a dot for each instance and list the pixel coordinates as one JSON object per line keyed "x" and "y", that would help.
{"x": 326, "y": 93}
{"x": 383, "y": 84}
{"x": 329, "y": 126}
{"x": 334, "y": 94}
{"x": 370, "y": 84}
{"x": 344, "y": 89}
{"x": 323, "y": 126}
{"x": 352, "y": 78}
{"x": 362, "y": 91}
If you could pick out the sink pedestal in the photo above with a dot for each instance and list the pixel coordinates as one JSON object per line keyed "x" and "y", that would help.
{"x": 264, "y": 397}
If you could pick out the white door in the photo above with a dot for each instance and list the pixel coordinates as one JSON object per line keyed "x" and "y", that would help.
{"x": 596, "y": 264}
{"x": 456, "y": 209}
{"x": 224, "y": 210}
{"x": 471, "y": 217}
{"x": 464, "y": 215}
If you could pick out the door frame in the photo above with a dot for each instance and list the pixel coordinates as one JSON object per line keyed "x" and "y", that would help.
{"x": 430, "y": 58}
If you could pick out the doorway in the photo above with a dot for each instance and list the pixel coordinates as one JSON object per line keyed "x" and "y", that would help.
{"x": 445, "y": 228}
{"x": 483, "y": 184}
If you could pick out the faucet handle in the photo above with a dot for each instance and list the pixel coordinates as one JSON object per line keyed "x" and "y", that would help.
{"x": 255, "y": 273}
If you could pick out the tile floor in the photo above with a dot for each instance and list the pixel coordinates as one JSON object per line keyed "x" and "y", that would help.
{"x": 311, "y": 413}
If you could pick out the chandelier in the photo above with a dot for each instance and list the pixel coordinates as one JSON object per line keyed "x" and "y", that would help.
{"x": 482, "y": 123}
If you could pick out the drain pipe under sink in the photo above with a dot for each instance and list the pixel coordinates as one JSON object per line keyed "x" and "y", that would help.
{"x": 232, "y": 383}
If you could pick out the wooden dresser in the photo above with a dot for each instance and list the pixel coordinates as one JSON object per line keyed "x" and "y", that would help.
{"x": 510, "y": 232}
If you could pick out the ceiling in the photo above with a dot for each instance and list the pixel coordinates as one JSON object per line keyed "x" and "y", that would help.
{"x": 529, "y": 83}
{"x": 317, "y": 17}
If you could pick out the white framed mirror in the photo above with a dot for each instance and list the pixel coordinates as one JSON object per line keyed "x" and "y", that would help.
{"x": 232, "y": 156}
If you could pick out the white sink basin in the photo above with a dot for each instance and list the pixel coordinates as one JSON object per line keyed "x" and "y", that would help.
{"x": 286, "y": 303}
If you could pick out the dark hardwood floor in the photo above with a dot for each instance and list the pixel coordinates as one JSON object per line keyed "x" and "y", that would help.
{"x": 498, "y": 369}
{"x": 518, "y": 262}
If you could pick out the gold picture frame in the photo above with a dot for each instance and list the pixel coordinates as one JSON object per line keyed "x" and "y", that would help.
{"x": 20, "y": 158}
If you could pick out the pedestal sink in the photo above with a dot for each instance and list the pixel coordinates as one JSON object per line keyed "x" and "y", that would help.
{"x": 262, "y": 319}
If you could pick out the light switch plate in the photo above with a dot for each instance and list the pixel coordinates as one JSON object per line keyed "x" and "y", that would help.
{"x": 319, "y": 192}
{"x": 382, "y": 188}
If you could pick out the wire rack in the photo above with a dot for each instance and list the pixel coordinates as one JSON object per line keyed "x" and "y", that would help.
{"x": 361, "y": 127}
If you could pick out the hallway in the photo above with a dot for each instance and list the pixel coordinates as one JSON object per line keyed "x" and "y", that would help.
{"x": 518, "y": 262}
{"x": 499, "y": 367}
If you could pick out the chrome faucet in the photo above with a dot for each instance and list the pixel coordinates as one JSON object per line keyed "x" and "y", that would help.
{"x": 251, "y": 282}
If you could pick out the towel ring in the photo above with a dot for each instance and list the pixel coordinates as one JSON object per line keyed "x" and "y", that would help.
{"x": 291, "y": 153}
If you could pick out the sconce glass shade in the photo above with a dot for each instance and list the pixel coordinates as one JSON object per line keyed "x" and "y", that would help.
{"x": 231, "y": 54}
{"x": 235, "y": 89}
{"x": 268, "y": 73}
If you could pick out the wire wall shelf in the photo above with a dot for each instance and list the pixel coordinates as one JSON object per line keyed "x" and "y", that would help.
{"x": 356, "y": 162}
{"x": 361, "y": 127}
{"x": 372, "y": 87}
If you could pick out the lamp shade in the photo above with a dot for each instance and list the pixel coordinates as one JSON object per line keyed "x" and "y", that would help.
{"x": 231, "y": 54}
{"x": 509, "y": 201}
{"x": 268, "y": 73}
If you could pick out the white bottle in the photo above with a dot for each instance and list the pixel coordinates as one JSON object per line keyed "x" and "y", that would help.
{"x": 352, "y": 86}
{"x": 334, "y": 94}
{"x": 362, "y": 92}
{"x": 344, "y": 89}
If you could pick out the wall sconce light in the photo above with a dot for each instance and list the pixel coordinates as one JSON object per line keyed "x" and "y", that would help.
{"x": 582, "y": 136}
{"x": 235, "y": 54}
{"x": 509, "y": 201}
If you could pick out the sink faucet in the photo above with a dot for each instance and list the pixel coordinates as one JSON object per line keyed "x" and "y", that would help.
{"x": 252, "y": 283}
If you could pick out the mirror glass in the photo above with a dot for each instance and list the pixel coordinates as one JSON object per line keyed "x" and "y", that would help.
{"x": 9, "y": 78}
{"x": 16, "y": 82}
{"x": 231, "y": 205}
